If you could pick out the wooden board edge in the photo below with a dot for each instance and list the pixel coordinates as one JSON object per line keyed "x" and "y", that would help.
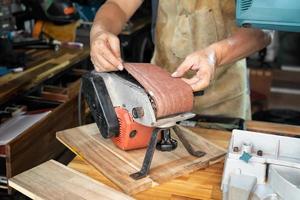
{"x": 87, "y": 177}
{"x": 217, "y": 160}
{"x": 12, "y": 183}
{"x": 209, "y": 142}
{"x": 273, "y": 128}
{"x": 127, "y": 190}
{"x": 189, "y": 168}
{"x": 74, "y": 128}
{"x": 137, "y": 168}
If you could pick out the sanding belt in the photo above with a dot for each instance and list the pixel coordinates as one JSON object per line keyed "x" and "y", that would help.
{"x": 171, "y": 95}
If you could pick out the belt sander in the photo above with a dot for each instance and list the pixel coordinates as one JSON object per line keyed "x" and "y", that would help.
{"x": 137, "y": 108}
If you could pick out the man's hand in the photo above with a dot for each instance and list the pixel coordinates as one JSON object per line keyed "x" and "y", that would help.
{"x": 108, "y": 23}
{"x": 242, "y": 43}
{"x": 105, "y": 52}
{"x": 204, "y": 63}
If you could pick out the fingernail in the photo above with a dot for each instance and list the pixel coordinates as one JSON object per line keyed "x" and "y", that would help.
{"x": 175, "y": 74}
{"x": 120, "y": 67}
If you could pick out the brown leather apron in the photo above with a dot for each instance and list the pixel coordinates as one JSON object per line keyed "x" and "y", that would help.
{"x": 185, "y": 26}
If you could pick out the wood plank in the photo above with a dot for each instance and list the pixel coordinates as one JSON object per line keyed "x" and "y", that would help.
{"x": 117, "y": 165}
{"x": 201, "y": 184}
{"x": 52, "y": 180}
{"x": 103, "y": 159}
{"x": 275, "y": 128}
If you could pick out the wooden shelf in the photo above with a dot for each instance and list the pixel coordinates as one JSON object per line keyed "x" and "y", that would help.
{"x": 51, "y": 63}
{"x": 38, "y": 144}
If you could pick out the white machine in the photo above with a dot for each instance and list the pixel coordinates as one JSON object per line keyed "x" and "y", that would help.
{"x": 261, "y": 167}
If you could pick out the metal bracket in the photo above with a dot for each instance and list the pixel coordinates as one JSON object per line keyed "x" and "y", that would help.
{"x": 148, "y": 157}
{"x": 186, "y": 143}
{"x": 151, "y": 148}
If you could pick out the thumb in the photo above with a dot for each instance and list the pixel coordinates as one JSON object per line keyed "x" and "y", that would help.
{"x": 114, "y": 44}
{"x": 183, "y": 68}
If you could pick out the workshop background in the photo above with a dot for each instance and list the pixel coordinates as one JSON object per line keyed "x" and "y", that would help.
{"x": 45, "y": 50}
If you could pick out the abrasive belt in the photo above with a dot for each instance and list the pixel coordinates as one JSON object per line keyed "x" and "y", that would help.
{"x": 170, "y": 95}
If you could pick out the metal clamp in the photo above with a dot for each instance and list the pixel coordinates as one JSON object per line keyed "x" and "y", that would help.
{"x": 148, "y": 157}
{"x": 151, "y": 148}
{"x": 186, "y": 144}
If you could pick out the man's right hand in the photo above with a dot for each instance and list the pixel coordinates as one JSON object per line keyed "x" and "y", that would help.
{"x": 105, "y": 52}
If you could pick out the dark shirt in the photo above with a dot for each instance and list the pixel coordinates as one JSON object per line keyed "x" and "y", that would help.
{"x": 154, "y": 16}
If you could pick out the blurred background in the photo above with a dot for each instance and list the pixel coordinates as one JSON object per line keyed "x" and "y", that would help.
{"x": 44, "y": 50}
{"x": 273, "y": 72}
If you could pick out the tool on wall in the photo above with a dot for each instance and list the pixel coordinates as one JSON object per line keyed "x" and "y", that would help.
{"x": 139, "y": 107}
{"x": 57, "y": 11}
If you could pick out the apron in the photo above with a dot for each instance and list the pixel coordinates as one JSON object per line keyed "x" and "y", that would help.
{"x": 185, "y": 26}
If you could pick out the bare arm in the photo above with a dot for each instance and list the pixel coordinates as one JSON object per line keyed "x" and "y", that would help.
{"x": 113, "y": 14}
{"x": 109, "y": 21}
{"x": 242, "y": 43}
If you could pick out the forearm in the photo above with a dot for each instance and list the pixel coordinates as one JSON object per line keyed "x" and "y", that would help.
{"x": 110, "y": 17}
{"x": 241, "y": 44}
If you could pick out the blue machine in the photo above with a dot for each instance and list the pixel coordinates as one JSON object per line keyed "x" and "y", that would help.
{"x": 281, "y": 15}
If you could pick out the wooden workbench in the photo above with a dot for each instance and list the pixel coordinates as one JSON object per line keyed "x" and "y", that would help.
{"x": 202, "y": 184}
{"x": 37, "y": 143}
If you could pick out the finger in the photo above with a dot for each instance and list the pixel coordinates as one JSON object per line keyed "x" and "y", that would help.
{"x": 115, "y": 46}
{"x": 195, "y": 67}
{"x": 94, "y": 54}
{"x": 184, "y": 67}
{"x": 191, "y": 81}
{"x": 109, "y": 56}
{"x": 95, "y": 64}
{"x": 202, "y": 83}
{"x": 196, "y": 83}
{"x": 105, "y": 64}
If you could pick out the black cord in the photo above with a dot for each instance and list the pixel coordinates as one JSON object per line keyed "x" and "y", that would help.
{"x": 79, "y": 103}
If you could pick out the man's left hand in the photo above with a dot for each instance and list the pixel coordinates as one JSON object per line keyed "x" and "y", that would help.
{"x": 203, "y": 62}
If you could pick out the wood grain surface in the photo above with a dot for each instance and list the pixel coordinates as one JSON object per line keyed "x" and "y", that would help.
{"x": 275, "y": 128}
{"x": 170, "y": 95}
{"x": 117, "y": 164}
{"x": 52, "y": 180}
{"x": 201, "y": 184}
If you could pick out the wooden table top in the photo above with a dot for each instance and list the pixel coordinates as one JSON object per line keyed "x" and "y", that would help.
{"x": 41, "y": 65}
{"x": 202, "y": 184}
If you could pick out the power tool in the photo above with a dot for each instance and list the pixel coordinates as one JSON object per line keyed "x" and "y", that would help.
{"x": 281, "y": 15}
{"x": 126, "y": 112}
{"x": 56, "y": 11}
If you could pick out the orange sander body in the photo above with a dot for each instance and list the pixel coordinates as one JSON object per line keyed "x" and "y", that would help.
{"x": 132, "y": 135}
